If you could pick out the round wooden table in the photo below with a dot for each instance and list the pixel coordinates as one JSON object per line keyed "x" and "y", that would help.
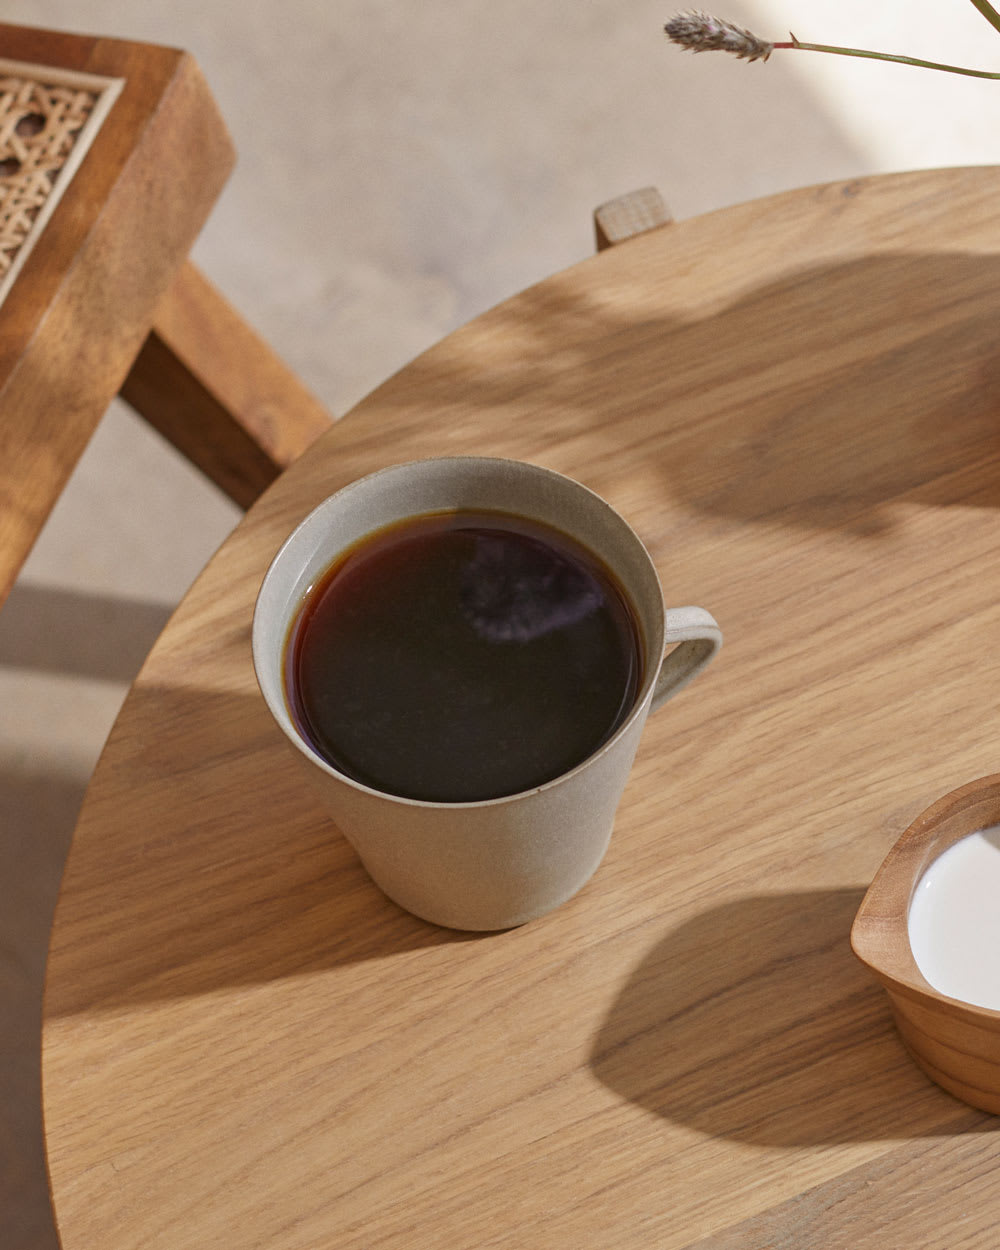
{"x": 796, "y": 403}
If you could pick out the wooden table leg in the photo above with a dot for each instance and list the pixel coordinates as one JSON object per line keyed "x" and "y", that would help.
{"x": 211, "y": 386}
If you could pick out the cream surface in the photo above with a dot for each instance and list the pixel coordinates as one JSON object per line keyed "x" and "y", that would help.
{"x": 954, "y": 920}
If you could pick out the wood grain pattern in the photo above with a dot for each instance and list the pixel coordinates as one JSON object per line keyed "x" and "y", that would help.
{"x": 84, "y": 300}
{"x": 218, "y": 393}
{"x": 794, "y": 402}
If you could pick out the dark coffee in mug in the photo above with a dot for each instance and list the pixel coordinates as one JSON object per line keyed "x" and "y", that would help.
{"x": 461, "y": 656}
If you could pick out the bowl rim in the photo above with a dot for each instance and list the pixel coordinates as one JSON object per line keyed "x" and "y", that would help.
{"x": 880, "y": 932}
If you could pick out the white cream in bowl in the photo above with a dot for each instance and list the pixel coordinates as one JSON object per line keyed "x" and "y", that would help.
{"x": 954, "y": 920}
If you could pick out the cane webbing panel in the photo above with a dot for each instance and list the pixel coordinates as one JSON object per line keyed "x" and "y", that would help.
{"x": 48, "y": 119}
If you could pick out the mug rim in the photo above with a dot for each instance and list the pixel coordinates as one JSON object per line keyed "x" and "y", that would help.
{"x": 282, "y": 716}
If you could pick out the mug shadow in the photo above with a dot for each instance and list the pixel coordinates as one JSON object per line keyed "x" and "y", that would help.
{"x": 754, "y": 1021}
{"x": 241, "y": 888}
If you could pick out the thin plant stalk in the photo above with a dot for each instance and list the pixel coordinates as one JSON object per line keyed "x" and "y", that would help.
{"x": 989, "y": 12}
{"x": 700, "y": 33}
{"x": 888, "y": 56}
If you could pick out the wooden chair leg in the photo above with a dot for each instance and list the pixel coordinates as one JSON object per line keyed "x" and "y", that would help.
{"x": 218, "y": 393}
{"x": 629, "y": 215}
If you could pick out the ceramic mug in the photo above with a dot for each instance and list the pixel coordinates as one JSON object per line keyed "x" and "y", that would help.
{"x": 500, "y": 862}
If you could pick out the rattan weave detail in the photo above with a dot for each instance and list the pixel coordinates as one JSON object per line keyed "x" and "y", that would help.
{"x": 39, "y": 123}
{"x": 48, "y": 118}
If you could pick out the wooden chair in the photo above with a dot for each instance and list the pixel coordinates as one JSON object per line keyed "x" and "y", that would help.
{"x": 112, "y": 154}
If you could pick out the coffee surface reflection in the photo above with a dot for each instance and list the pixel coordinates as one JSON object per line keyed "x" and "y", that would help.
{"x": 462, "y": 656}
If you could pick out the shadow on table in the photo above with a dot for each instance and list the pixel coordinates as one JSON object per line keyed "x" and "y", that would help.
{"x": 79, "y": 633}
{"x": 849, "y": 387}
{"x": 72, "y": 633}
{"x": 754, "y": 1021}
{"x": 247, "y": 884}
{"x": 37, "y": 810}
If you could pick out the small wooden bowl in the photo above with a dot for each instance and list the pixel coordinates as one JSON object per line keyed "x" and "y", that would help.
{"x": 957, "y": 1044}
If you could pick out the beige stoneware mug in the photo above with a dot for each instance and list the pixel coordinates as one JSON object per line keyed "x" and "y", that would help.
{"x": 500, "y": 862}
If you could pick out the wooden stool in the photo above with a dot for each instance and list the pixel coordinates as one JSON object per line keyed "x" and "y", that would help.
{"x": 112, "y": 154}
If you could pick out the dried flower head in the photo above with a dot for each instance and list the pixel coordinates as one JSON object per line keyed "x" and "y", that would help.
{"x": 700, "y": 33}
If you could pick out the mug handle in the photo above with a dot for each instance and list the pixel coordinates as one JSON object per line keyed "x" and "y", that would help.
{"x": 699, "y": 638}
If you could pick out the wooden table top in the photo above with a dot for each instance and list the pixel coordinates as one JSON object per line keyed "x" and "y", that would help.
{"x": 796, "y": 403}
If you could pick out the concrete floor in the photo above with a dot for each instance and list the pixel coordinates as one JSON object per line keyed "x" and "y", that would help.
{"x": 401, "y": 169}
